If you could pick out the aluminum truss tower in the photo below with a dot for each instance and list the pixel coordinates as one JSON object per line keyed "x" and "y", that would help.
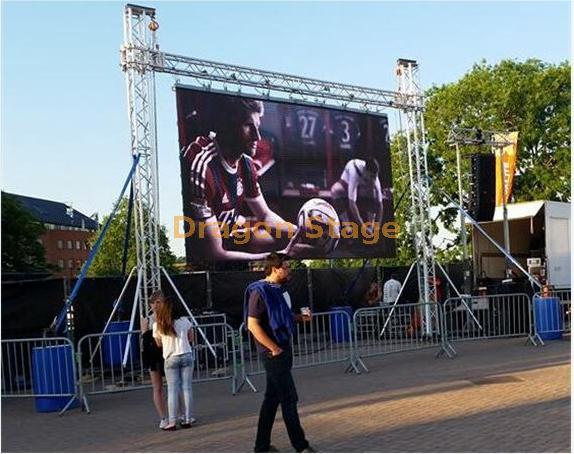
{"x": 136, "y": 61}
{"x": 141, "y": 59}
{"x": 411, "y": 97}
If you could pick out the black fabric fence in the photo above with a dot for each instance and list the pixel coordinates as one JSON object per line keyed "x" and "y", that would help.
{"x": 28, "y": 307}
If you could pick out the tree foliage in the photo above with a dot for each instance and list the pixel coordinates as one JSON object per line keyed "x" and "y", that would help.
{"x": 108, "y": 261}
{"x": 532, "y": 98}
{"x": 21, "y": 250}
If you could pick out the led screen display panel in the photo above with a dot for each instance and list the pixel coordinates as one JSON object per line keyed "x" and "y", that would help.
{"x": 262, "y": 175}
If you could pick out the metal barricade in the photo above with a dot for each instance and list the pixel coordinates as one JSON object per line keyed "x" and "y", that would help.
{"x": 39, "y": 367}
{"x": 251, "y": 363}
{"x": 112, "y": 362}
{"x": 487, "y": 317}
{"x": 555, "y": 317}
{"x": 387, "y": 329}
{"x": 222, "y": 366}
{"x": 565, "y": 297}
{"x": 327, "y": 338}
{"x": 109, "y": 363}
{"x": 202, "y": 319}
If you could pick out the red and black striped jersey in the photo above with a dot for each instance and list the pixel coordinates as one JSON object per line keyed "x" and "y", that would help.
{"x": 215, "y": 188}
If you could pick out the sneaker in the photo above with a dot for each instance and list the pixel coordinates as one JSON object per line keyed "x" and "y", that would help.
{"x": 163, "y": 423}
{"x": 309, "y": 449}
{"x": 188, "y": 424}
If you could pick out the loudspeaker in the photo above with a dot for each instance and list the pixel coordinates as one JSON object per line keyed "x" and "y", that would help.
{"x": 483, "y": 187}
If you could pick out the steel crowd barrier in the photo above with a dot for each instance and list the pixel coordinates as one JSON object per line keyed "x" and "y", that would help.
{"x": 109, "y": 363}
{"x": 386, "y": 329}
{"x": 39, "y": 367}
{"x": 552, "y": 314}
{"x": 222, "y": 366}
{"x": 327, "y": 338}
{"x": 218, "y": 317}
{"x": 112, "y": 362}
{"x": 487, "y": 317}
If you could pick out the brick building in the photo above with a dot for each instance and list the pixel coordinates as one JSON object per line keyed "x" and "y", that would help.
{"x": 67, "y": 233}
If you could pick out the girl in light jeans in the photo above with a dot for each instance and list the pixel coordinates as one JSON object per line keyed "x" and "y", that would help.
{"x": 174, "y": 337}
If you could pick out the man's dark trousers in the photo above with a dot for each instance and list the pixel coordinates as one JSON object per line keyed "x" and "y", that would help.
{"x": 280, "y": 390}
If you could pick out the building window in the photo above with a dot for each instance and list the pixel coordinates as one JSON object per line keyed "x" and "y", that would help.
{"x": 85, "y": 245}
{"x": 70, "y": 263}
{"x": 70, "y": 244}
{"x": 40, "y": 241}
{"x": 78, "y": 244}
{"x": 61, "y": 264}
{"x": 79, "y": 264}
{"x": 60, "y": 244}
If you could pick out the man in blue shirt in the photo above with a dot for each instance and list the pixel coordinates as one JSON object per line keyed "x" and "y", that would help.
{"x": 271, "y": 322}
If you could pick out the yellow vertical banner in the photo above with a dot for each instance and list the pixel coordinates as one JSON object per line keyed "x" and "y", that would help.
{"x": 508, "y": 155}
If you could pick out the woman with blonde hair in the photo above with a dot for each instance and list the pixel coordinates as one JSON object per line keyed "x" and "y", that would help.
{"x": 174, "y": 337}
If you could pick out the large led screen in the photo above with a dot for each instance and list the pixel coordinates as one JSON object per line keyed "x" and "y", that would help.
{"x": 261, "y": 176}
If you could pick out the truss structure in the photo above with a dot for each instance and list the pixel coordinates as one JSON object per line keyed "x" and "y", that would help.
{"x": 475, "y": 136}
{"x": 139, "y": 35}
{"x": 141, "y": 59}
{"x": 411, "y": 96}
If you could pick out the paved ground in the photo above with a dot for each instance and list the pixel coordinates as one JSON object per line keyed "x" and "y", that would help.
{"x": 495, "y": 396}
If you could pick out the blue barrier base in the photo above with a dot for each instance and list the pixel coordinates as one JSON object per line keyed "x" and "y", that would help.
{"x": 53, "y": 373}
{"x": 547, "y": 312}
{"x": 339, "y": 324}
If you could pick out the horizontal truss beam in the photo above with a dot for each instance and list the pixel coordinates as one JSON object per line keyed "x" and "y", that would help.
{"x": 266, "y": 83}
{"x": 476, "y": 136}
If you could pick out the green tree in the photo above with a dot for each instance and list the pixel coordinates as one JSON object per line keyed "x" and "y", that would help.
{"x": 21, "y": 250}
{"x": 530, "y": 97}
{"x": 108, "y": 261}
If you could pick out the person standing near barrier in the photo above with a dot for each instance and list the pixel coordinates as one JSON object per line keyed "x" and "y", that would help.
{"x": 174, "y": 337}
{"x": 153, "y": 358}
{"x": 271, "y": 322}
{"x": 391, "y": 290}
{"x": 373, "y": 295}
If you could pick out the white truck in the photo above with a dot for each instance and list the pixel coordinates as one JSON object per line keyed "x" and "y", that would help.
{"x": 538, "y": 230}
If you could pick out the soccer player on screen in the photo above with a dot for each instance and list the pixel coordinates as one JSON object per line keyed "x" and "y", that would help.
{"x": 222, "y": 178}
{"x": 357, "y": 194}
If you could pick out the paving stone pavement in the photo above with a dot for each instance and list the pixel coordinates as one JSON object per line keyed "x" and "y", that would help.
{"x": 496, "y": 396}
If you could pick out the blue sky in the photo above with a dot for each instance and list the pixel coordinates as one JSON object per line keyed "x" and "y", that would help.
{"x": 64, "y": 115}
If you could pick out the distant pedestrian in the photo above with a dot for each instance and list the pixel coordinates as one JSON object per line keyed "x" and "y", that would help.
{"x": 271, "y": 322}
{"x": 174, "y": 336}
{"x": 373, "y": 295}
{"x": 391, "y": 290}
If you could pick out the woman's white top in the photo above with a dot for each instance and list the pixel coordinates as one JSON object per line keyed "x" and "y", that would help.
{"x": 174, "y": 345}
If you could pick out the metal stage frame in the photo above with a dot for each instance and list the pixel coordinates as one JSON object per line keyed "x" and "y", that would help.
{"x": 141, "y": 59}
{"x": 480, "y": 138}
